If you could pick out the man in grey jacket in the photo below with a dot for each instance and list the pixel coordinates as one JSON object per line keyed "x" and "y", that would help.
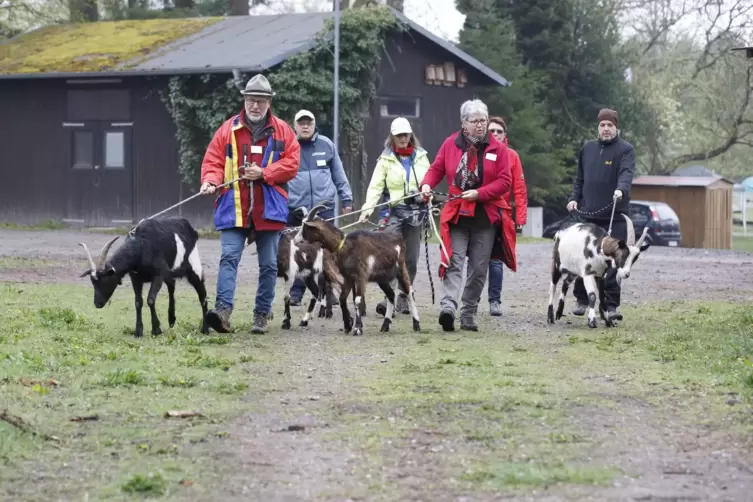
{"x": 320, "y": 179}
{"x": 605, "y": 170}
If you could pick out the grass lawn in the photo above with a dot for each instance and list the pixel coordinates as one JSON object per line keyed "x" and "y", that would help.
{"x": 87, "y": 402}
{"x": 743, "y": 243}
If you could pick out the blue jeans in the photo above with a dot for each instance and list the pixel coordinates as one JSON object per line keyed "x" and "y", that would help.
{"x": 496, "y": 274}
{"x": 232, "y": 242}
{"x": 299, "y": 288}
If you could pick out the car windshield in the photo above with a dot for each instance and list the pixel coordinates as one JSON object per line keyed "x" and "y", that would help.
{"x": 665, "y": 212}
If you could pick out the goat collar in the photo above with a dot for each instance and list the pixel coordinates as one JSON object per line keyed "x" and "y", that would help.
{"x": 342, "y": 243}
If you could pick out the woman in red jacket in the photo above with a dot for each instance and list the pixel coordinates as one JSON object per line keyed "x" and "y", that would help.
{"x": 477, "y": 169}
{"x": 506, "y": 239}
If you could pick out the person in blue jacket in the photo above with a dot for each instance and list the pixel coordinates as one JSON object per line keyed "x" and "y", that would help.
{"x": 320, "y": 179}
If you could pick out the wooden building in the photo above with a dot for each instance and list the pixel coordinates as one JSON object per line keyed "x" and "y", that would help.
{"x": 703, "y": 204}
{"x": 98, "y": 148}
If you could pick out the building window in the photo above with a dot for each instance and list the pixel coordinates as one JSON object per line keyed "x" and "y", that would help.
{"x": 399, "y": 107}
{"x": 115, "y": 150}
{"x": 83, "y": 149}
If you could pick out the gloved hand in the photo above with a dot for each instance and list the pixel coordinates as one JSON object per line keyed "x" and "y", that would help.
{"x": 618, "y": 194}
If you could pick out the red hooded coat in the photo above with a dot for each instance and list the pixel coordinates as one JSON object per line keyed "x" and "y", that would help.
{"x": 509, "y": 234}
{"x": 496, "y": 182}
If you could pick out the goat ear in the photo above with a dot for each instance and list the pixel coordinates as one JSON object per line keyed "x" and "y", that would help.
{"x": 88, "y": 272}
{"x": 308, "y": 224}
{"x": 109, "y": 271}
{"x": 645, "y": 246}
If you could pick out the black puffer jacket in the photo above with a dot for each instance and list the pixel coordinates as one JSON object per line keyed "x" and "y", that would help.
{"x": 603, "y": 167}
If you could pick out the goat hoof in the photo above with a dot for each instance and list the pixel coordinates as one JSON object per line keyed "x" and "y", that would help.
{"x": 550, "y": 315}
{"x": 156, "y": 331}
{"x": 416, "y": 325}
{"x": 286, "y": 324}
{"x": 138, "y": 334}
{"x": 592, "y": 323}
{"x": 322, "y": 312}
{"x": 385, "y": 326}
{"x": 303, "y": 324}
{"x": 328, "y": 314}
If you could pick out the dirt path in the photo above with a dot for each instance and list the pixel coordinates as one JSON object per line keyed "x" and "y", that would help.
{"x": 463, "y": 416}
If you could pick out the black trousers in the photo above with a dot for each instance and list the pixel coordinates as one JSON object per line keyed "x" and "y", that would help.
{"x": 611, "y": 288}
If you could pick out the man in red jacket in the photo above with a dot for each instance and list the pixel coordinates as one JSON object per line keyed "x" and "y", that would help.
{"x": 498, "y": 129}
{"x": 263, "y": 151}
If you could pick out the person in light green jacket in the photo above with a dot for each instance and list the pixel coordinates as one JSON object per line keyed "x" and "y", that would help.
{"x": 399, "y": 169}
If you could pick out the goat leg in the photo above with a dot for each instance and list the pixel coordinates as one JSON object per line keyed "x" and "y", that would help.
{"x": 589, "y": 281}
{"x": 316, "y": 298}
{"x": 138, "y": 286}
{"x": 324, "y": 305}
{"x": 198, "y": 284}
{"x": 347, "y": 319}
{"x": 389, "y": 311}
{"x": 563, "y": 293}
{"x": 151, "y": 300}
{"x": 556, "y": 275}
{"x": 359, "y": 291}
{"x": 403, "y": 280}
{"x": 286, "y": 314}
{"x": 603, "y": 304}
{"x": 170, "y": 283}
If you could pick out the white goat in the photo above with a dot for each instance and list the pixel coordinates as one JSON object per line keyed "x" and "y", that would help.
{"x": 585, "y": 250}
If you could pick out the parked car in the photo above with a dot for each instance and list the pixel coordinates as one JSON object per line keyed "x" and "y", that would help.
{"x": 663, "y": 223}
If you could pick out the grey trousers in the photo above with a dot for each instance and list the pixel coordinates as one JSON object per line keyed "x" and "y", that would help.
{"x": 412, "y": 237}
{"x": 476, "y": 242}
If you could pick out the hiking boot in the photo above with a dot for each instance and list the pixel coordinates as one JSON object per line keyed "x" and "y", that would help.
{"x": 260, "y": 323}
{"x": 447, "y": 320}
{"x": 613, "y": 314}
{"x": 219, "y": 319}
{"x": 401, "y": 304}
{"x": 468, "y": 324}
{"x": 495, "y": 309}
{"x": 580, "y": 309}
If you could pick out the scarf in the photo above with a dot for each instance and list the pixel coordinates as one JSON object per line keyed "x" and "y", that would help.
{"x": 404, "y": 152}
{"x": 466, "y": 177}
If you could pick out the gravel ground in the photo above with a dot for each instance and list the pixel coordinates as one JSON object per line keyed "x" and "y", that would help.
{"x": 677, "y": 460}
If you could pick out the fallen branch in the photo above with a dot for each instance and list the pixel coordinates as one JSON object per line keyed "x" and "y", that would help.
{"x": 19, "y": 423}
{"x": 183, "y": 414}
{"x": 85, "y": 418}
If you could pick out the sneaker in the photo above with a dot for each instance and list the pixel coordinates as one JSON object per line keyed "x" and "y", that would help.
{"x": 468, "y": 324}
{"x": 580, "y": 309}
{"x": 447, "y": 320}
{"x": 260, "y": 323}
{"x": 613, "y": 314}
{"x": 219, "y": 319}
{"x": 495, "y": 309}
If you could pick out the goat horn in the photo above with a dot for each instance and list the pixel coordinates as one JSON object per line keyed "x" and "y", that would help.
{"x": 315, "y": 210}
{"x": 643, "y": 237}
{"x": 630, "y": 230}
{"x": 88, "y": 256}
{"x": 105, "y": 250}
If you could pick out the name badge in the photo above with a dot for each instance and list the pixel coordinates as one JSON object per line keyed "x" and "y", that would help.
{"x": 321, "y": 162}
{"x": 491, "y": 156}
{"x": 256, "y": 149}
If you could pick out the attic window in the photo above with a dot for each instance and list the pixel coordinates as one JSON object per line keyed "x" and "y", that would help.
{"x": 399, "y": 107}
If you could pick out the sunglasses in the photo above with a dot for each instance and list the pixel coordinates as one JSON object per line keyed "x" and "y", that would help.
{"x": 497, "y": 131}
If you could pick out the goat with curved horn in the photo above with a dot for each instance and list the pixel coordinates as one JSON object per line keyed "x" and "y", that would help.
{"x": 630, "y": 230}
{"x": 105, "y": 250}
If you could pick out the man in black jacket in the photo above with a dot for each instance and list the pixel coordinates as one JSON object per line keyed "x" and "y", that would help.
{"x": 605, "y": 170}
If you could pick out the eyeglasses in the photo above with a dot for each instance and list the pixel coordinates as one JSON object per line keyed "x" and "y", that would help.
{"x": 497, "y": 131}
{"x": 477, "y": 122}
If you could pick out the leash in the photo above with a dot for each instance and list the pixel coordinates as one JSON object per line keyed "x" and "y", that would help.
{"x": 611, "y": 218}
{"x": 130, "y": 232}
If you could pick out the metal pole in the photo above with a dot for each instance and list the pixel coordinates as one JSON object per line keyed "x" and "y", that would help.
{"x": 336, "y": 112}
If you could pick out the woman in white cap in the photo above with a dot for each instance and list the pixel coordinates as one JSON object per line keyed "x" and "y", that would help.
{"x": 399, "y": 169}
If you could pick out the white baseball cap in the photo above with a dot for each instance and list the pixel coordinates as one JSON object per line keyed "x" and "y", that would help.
{"x": 304, "y": 113}
{"x": 400, "y": 126}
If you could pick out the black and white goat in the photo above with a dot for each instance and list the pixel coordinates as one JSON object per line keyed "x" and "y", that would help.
{"x": 315, "y": 266}
{"x": 363, "y": 257}
{"x": 158, "y": 251}
{"x": 585, "y": 250}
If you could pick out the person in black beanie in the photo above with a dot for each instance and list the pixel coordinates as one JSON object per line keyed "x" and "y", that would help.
{"x": 605, "y": 170}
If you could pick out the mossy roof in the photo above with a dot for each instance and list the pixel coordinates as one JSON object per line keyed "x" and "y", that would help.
{"x": 93, "y": 47}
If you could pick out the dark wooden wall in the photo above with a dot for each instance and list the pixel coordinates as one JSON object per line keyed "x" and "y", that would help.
{"x": 32, "y": 163}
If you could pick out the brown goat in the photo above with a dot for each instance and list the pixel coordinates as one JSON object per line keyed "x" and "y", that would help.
{"x": 315, "y": 266}
{"x": 363, "y": 257}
